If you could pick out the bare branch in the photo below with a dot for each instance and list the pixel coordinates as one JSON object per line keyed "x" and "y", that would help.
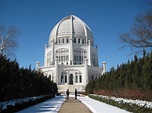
{"x": 8, "y": 39}
{"x": 140, "y": 35}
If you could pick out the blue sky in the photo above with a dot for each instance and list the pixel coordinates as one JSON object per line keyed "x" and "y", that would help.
{"x": 34, "y": 19}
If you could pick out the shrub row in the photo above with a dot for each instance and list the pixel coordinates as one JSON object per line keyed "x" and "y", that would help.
{"x": 18, "y": 82}
{"x": 133, "y": 75}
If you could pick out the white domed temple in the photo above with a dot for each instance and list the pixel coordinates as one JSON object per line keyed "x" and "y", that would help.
{"x": 70, "y": 58}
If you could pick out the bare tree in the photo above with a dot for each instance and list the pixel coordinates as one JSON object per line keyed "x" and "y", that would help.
{"x": 8, "y": 40}
{"x": 140, "y": 35}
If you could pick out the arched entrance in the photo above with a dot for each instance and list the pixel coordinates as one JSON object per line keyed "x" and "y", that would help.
{"x": 71, "y": 79}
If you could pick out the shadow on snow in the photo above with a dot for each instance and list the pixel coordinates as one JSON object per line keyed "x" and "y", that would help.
{"x": 51, "y": 105}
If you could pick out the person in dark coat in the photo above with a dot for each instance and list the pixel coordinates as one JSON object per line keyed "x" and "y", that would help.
{"x": 76, "y": 93}
{"x": 67, "y": 93}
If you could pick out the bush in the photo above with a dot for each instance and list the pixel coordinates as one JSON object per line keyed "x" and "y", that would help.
{"x": 26, "y": 82}
{"x": 135, "y": 74}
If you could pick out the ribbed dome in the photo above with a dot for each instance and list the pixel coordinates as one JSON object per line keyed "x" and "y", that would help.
{"x": 71, "y": 26}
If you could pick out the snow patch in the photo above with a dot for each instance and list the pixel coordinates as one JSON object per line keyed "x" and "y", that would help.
{"x": 137, "y": 102}
{"x": 49, "y": 106}
{"x": 4, "y": 104}
{"x": 100, "y": 107}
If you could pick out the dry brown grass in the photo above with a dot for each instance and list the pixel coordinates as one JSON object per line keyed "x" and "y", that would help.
{"x": 127, "y": 93}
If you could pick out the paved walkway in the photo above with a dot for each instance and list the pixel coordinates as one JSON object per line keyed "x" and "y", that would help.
{"x": 73, "y": 106}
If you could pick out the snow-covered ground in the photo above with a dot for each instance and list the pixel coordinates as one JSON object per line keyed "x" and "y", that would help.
{"x": 4, "y": 105}
{"x": 49, "y": 106}
{"x": 129, "y": 101}
{"x": 53, "y": 105}
{"x": 100, "y": 107}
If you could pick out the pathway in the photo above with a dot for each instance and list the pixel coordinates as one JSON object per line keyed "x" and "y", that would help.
{"x": 83, "y": 104}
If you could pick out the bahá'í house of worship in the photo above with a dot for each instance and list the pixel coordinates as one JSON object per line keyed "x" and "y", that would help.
{"x": 70, "y": 58}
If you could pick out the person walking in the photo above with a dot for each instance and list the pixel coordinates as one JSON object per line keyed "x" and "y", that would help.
{"x": 67, "y": 93}
{"x": 76, "y": 93}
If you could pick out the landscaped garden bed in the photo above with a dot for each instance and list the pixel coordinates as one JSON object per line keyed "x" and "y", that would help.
{"x": 136, "y": 106}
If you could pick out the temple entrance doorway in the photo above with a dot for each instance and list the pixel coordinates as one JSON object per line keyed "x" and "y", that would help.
{"x": 71, "y": 79}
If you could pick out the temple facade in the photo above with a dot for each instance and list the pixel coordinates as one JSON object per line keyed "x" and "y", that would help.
{"x": 70, "y": 58}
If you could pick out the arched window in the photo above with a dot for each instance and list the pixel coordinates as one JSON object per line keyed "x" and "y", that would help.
{"x": 50, "y": 77}
{"x": 59, "y": 41}
{"x": 76, "y": 79}
{"x": 48, "y": 58}
{"x": 61, "y": 78}
{"x": 78, "y": 40}
{"x": 53, "y": 78}
{"x": 62, "y": 40}
{"x": 62, "y": 55}
{"x": 67, "y": 40}
{"x": 82, "y": 41}
{"x": 74, "y": 40}
{"x": 80, "y": 78}
{"x": 65, "y": 79}
{"x": 71, "y": 79}
{"x": 79, "y": 55}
